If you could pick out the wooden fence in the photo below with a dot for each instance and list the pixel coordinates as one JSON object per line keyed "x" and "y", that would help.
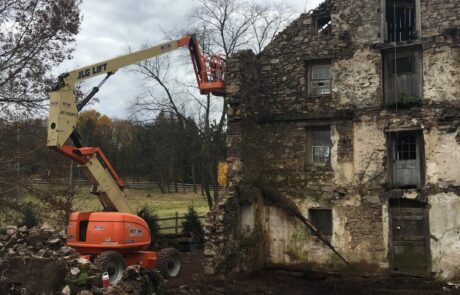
{"x": 146, "y": 185}
{"x": 177, "y": 227}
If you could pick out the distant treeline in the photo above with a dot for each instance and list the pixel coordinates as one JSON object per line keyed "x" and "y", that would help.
{"x": 164, "y": 151}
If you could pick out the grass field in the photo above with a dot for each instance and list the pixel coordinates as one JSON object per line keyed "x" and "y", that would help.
{"x": 163, "y": 205}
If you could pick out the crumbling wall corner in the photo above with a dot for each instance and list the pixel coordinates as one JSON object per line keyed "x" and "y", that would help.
{"x": 227, "y": 246}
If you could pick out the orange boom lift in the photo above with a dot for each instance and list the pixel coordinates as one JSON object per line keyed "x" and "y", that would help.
{"x": 116, "y": 237}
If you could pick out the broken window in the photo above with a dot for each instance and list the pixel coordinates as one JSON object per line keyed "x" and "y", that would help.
{"x": 400, "y": 20}
{"x": 320, "y": 145}
{"x": 322, "y": 219}
{"x": 323, "y": 24}
{"x": 406, "y": 151}
{"x": 319, "y": 78}
{"x": 402, "y": 77}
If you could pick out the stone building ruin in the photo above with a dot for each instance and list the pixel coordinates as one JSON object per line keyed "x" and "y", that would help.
{"x": 353, "y": 112}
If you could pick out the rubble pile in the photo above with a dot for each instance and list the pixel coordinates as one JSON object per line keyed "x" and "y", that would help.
{"x": 37, "y": 261}
{"x": 137, "y": 280}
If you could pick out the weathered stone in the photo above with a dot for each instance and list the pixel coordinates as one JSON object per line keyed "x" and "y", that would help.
{"x": 74, "y": 271}
{"x": 23, "y": 229}
{"x": 53, "y": 241}
{"x": 269, "y": 139}
{"x": 67, "y": 250}
{"x": 66, "y": 290}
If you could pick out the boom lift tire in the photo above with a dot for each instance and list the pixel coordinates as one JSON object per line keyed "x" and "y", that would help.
{"x": 113, "y": 263}
{"x": 169, "y": 263}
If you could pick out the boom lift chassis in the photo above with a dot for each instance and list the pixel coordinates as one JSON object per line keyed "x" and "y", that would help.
{"x": 116, "y": 238}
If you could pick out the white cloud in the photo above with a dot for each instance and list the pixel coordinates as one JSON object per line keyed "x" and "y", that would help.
{"x": 109, "y": 27}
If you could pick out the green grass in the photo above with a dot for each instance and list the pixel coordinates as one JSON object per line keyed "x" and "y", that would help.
{"x": 163, "y": 205}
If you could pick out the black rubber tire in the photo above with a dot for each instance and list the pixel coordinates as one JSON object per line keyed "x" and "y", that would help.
{"x": 113, "y": 263}
{"x": 169, "y": 263}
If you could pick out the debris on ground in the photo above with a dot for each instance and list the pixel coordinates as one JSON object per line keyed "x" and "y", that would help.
{"x": 37, "y": 261}
{"x": 300, "y": 280}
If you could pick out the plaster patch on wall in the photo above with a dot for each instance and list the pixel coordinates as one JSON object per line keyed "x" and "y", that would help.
{"x": 442, "y": 154}
{"x": 445, "y": 232}
{"x": 355, "y": 82}
{"x": 369, "y": 152}
{"x": 343, "y": 171}
{"x": 386, "y": 232}
{"x": 440, "y": 83}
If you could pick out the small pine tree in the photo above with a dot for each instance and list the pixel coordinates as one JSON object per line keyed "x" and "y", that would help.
{"x": 192, "y": 224}
{"x": 151, "y": 218}
{"x": 30, "y": 217}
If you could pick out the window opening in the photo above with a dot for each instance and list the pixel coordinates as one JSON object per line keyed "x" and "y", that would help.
{"x": 322, "y": 219}
{"x": 406, "y": 147}
{"x": 402, "y": 77}
{"x": 321, "y": 145}
{"x": 320, "y": 79}
{"x": 400, "y": 20}
{"x": 407, "y": 159}
{"x": 403, "y": 65}
{"x": 324, "y": 25}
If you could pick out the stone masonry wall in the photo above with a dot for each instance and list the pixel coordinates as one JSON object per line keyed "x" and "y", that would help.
{"x": 271, "y": 113}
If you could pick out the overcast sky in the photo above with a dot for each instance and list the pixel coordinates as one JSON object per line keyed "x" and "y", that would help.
{"x": 109, "y": 27}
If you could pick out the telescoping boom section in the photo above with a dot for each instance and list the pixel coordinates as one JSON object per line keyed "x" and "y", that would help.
{"x": 63, "y": 113}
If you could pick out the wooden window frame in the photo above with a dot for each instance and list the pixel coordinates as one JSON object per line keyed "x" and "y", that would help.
{"x": 315, "y": 63}
{"x": 390, "y": 159}
{"x": 384, "y": 38}
{"x": 388, "y": 73}
{"x": 309, "y": 144}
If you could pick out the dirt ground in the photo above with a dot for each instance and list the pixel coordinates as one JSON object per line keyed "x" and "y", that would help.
{"x": 277, "y": 281}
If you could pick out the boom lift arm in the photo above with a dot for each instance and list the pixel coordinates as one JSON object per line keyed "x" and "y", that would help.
{"x": 63, "y": 113}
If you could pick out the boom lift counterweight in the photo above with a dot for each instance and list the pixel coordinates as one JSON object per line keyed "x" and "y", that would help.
{"x": 117, "y": 237}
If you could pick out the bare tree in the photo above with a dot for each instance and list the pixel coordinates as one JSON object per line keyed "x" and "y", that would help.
{"x": 222, "y": 26}
{"x": 271, "y": 20}
{"x": 231, "y": 25}
{"x": 34, "y": 35}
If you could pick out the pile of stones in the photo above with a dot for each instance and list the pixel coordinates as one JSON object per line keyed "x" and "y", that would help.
{"x": 37, "y": 261}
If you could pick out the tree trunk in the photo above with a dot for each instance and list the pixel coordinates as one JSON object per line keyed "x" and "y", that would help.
{"x": 216, "y": 185}
{"x": 193, "y": 176}
{"x": 205, "y": 185}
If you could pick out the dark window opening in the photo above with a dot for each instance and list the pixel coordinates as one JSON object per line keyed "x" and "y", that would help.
{"x": 319, "y": 78}
{"x": 321, "y": 146}
{"x": 324, "y": 25}
{"x": 400, "y": 20}
{"x": 402, "y": 65}
{"x": 406, "y": 203}
{"x": 322, "y": 219}
{"x": 406, "y": 150}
